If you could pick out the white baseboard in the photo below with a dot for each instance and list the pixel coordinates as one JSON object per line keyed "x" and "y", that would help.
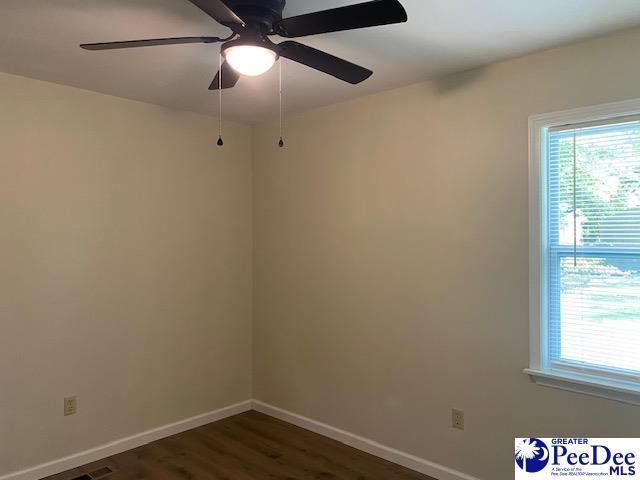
{"x": 124, "y": 444}
{"x": 374, "y": 448}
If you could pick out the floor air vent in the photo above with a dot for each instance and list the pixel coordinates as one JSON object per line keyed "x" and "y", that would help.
{"x": 101, "y": 472}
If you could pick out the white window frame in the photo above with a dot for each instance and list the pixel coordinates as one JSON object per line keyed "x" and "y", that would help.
{"x": 540, "y": 370}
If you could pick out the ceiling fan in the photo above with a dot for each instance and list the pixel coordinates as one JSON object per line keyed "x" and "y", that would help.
{"x": 248, "y": 50}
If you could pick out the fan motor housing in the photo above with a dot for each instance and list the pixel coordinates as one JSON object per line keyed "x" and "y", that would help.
{"x": 258, "y": 14}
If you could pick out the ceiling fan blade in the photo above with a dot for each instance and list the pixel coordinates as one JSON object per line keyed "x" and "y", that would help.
{"x": 229, "y": 78}
{"x": 337, "y": 67}
{"x": 362, "y": 15}
{"x": 219, "y": 11}
{"x": 148, "y": 43}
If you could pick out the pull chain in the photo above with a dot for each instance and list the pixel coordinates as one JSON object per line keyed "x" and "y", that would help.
{"x": 220, "y": 142}
{"x": 281, "y": 142}
{"x": 575, "y": 202}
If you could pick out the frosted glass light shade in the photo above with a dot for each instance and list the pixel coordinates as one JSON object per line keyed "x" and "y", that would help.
{"x": 250, "y": 60}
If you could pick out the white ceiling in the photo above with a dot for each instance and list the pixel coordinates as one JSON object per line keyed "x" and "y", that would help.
{"x": 39, "y": 39}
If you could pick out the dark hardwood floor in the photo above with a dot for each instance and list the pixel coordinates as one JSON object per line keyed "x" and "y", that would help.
{"x": 249, "y": 446}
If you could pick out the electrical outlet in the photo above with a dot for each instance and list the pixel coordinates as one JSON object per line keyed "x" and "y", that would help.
{"x": 457, "y": 419}
{"x": 70, "y": 406}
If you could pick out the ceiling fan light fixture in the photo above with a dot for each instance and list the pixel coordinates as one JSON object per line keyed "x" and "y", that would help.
{"x": 249, "y": 51}
{"x": 250, "y": 60}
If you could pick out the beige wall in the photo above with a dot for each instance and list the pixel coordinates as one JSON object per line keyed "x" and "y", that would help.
{"x": 125, "y": 260}
{"x": 391, "y": 262}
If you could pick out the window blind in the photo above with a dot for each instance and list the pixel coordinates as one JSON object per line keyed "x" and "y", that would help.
{"x": 593, "y": 248}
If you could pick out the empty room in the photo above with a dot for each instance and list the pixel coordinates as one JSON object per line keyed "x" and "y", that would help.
{"x": 319, "y": 240}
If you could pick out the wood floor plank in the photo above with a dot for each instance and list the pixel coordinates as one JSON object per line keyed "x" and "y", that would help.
{"x": 249, "y": 446}
{"x": 291, "y": 455}
{"x": 315, "y": 444}
{"x": 259, "y": 453}
{"x": 299, "y": 450}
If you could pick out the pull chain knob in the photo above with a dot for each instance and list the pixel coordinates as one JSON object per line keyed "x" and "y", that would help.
{"x": 281, "y": 141}
{"x": 220, "y": 142}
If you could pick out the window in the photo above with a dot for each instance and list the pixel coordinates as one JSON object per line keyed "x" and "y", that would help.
{"x": 585, "y": 250}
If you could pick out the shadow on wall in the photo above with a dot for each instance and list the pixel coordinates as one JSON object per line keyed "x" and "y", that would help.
{"x": 456, "y": 81}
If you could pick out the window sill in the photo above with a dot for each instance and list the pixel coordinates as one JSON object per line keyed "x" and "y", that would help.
{"x": 588, "y": 385}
